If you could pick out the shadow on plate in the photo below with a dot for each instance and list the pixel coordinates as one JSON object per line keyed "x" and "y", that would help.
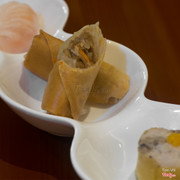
{"x": 32, "y": 84}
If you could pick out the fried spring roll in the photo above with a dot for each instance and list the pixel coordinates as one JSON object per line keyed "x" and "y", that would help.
{"x": 80, "y": 58}
{"x": 111, "y": 84}
{"x": 42, "y": 54}
{"x": 55, "y": 100}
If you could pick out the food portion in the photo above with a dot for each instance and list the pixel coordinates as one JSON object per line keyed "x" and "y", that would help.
{"x": 55, "y": 100}
{"x": 111, "y": 83}
{"x": 159, "y": 155}
{"x": 84, "y": 48}
{"x": 79, "y": 61}
{"x": 42, "y": 53}
{"x": 18, "y": 25}
{"x": 75, "y": 71}
{"x": 110, "y": 86}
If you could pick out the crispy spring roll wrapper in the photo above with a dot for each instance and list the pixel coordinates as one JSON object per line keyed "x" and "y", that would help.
{"x": 42, "y": 54}
{"x": 80, "y": 58}
{"x": 111, "y": 84}
{"x": 55, "y": 100}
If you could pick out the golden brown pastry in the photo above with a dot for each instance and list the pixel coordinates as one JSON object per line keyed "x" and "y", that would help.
{"x": 111, "y": 85}
{"x": 55, "y": 100}
{"x": 79, "y": 61}
{"x": 42, "y": 54}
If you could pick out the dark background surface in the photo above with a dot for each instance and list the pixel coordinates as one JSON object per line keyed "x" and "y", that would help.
{"x": 150, "y": 28}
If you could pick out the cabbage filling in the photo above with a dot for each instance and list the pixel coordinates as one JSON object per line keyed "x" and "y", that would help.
{"x": 80, "y": 54}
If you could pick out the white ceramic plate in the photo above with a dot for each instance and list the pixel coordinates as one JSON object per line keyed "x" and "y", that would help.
{"x": 105, "y": 143}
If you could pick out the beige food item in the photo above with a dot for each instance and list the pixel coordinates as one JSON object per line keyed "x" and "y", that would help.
{"x": 18, "y": 25}
{"x": 111, "y": 85}
{"x": 79, "y": 61}
{"x": 42, "y": 55}
{"x": 55, "y": 100}
{"x": 159, "y": 155}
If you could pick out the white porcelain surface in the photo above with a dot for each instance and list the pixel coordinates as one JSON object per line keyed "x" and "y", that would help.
{"x": 107, "y": 150}
{"x": 105, "y": 143}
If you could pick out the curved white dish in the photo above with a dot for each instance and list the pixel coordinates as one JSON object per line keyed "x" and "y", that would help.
{"x": 108, "y": 150}
{"x": 105, "y": 142}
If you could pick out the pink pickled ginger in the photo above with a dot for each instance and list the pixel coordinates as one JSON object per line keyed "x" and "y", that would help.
{"x": 18, "y": 25}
